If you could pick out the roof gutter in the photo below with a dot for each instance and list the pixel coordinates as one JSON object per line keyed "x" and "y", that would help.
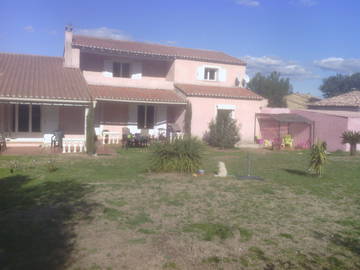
{"x": 64, "y": 102}
{"x": 141, "y": 101}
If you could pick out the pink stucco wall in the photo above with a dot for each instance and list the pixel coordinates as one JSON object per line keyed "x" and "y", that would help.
{"x": 176, "y": 115}
{"x": 185, "y": 71}
{"x": 354, "y": 124}
{"x": 154, "y": 72}
{"x": 327, "y": 127}
{"x": 205, "y": 109}
{"x": 112, "y": 116}
{"x": 72, "y": 121}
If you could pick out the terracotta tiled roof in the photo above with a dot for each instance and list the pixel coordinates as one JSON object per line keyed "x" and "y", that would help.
{"x": 134, "y": 94}
{"x": 154, "y": 50}
{"x": 217, "y": 91}
{"x": 351, "y": 99}
{"x": 40, "y": 77}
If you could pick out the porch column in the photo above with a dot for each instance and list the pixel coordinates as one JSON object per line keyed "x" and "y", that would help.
{"x": 85, "y": 124}
{"x": 16, "y": 117}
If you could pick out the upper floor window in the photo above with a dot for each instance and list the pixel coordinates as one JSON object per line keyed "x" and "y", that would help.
{"x": 211, "y": 74}
{"x": 121, "y": 70}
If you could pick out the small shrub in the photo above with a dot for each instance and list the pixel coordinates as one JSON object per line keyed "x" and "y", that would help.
{"x": 223, "y": 132}
{"x": 180, "y": 155}
{"x": 352, "y": 138}
{"x": 318, "y": 158}
{"x": 51, "y": 166}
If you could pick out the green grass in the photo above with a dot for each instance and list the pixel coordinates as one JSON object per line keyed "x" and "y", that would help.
{"x": 55, "y": 219}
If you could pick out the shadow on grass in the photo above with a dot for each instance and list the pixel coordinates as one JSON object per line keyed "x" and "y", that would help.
{"x": 351, "y": 242}
{"x": 297, "y": 172}
{"x": 36, "y": 222}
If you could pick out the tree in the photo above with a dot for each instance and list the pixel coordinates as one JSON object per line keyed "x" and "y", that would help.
{"x": 188, "y": 116}
{"x": 272, "y": 87}
{"x": 223, "y": 132}
{"x": 352, "y": 138}
{"x": 90, "y": 132}
{"x": 340, "y": 84}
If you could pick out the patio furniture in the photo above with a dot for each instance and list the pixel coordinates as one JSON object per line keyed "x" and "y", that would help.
{"x": 57, "y": 139}
{"x": 2, "y": 142}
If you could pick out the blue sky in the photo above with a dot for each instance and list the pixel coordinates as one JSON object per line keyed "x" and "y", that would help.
{"x": 305, "y": 40}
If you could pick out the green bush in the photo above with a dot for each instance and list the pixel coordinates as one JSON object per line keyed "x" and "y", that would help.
{"x": 180, "y": 155}
{"x": 223, "y": 132}
{"x": 318, "y": 158}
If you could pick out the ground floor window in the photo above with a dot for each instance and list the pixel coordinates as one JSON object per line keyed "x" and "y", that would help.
{"x": 26, "y": 118}
{"x": 226, "y": 109}
{"x": 145, "y": 116}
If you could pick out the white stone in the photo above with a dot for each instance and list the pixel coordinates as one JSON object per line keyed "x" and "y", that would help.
{"x": 222, "y": 172}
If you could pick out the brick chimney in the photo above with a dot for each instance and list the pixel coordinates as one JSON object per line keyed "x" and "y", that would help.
{"x": 68, "y": 57}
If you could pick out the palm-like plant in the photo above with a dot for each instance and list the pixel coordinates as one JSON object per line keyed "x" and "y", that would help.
{"x": 318, "y": 158}
{"x": 353, "y": 138}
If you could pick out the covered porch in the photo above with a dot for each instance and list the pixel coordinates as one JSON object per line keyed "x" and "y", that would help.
{"x": 34, "y": 124}
{"x": 38, "y": 96}
{"x": 120, "y": 111}
{"x": 274, "y": 127}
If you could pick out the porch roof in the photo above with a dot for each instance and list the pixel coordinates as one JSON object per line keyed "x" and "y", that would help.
{"x": 284, "y": 117}
{"x": 131, "y": 94}
{"x": 40, "y": 78}
{"x": 217, "y": 91}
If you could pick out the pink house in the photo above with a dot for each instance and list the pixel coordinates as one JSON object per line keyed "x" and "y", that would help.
{"x": 130, "y": 84}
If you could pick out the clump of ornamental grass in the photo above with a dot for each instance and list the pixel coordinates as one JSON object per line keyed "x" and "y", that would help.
{"x": 179, "y": 155}
{"x": 318, "y": 158}
{"x": 353, "y": 138}
{"x": 51, "y": 166}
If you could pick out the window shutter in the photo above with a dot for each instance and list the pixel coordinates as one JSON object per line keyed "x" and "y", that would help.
{"x": 126, "y": 70}
{"x": 222, "y": 75}
{"x": 150, "y": 116}
{"x": 108, "y": 68}
{"x": 141, "y": 116}
{"x": 136, "y": 70}
{"x": 200, "y": 73}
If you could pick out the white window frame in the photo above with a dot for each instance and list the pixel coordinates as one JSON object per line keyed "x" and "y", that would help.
{"x": 207, "y": 78}
{"x": 121, "y": 69}
{"x": 227, "y": 107}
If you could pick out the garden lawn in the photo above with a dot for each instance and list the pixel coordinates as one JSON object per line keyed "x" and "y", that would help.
{"x": 79, "y": 212}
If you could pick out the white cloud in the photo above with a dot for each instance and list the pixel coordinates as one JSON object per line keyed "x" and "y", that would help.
{"x": 104, "y": 32}
{"x": 248, "y": 3}
{"x": 338, "y": 64}
{"x": 306, "y": 3}
{"x": 29, "y": 29}
{"x": 268, "y": 64}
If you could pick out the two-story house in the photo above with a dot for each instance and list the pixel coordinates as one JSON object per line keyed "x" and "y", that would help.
{"x": 130, "y": 84}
